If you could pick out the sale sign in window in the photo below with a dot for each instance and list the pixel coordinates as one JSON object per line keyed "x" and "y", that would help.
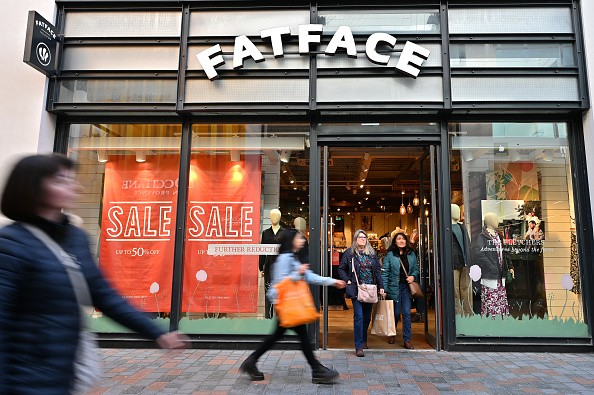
{"x": 138, "y": 227}
{"x": 223, "y": 217}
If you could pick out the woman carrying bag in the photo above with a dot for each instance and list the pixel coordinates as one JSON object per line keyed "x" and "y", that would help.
{"x": 359, "y": 268}
{"x": 288, "y": 266}
{"x": 48, "y": 280}
{"x": 400, "y": 269}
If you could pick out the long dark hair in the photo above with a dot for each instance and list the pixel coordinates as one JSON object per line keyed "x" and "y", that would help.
{"x": 286, "y": 241}
{"x": 395, "y": 249}
{"x": 23, "y": 193}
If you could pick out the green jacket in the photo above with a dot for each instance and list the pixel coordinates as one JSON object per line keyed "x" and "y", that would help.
{"x": 391, "y": 273}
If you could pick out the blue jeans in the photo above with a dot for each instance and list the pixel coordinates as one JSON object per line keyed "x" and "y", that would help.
{"x": 403, "y": 305}
{"x": 361, "y": 320}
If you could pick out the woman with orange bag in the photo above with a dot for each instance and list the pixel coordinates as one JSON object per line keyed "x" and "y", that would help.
{"x": 287, "y": 264}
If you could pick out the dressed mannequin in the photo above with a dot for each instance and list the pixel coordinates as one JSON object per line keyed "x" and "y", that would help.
{"x": 460, "y": 257}
{"x": 491, "y": 258}
{"x": 269, "y": 236}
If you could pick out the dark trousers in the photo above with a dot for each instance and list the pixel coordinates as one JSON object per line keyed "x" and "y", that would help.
{"x": 269, "y": 341}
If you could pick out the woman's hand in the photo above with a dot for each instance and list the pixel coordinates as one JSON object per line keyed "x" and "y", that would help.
{"x": 410, "y": 279}
{"x": 303, "y": 268}
{"x": 173, "y": 340}
{"x": 381, "y": 291}
{"x": 339, "y": 284}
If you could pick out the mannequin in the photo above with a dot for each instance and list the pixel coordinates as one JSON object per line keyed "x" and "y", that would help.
{"x": 491, "y": 258}
{"x": 301, "y": 225}
{"x": 269, "y": 236}
{"x": 460, "y": 257}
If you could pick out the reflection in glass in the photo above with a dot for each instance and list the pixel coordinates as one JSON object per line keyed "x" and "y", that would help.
{"x": 129, "y": 174}
{"x": 388, "y": 21}
{"x": 248, "y": 182}
{"x": 117, "y": 91}
{"x": 517, "y": 269}
{"x": 512, "y": 55}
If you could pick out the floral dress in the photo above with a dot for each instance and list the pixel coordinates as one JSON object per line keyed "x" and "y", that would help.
{"x": 366, "y": 270}
{"x": 493, "y": 295}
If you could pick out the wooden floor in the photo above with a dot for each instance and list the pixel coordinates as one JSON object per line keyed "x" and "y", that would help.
{"x": 340, "y": 332}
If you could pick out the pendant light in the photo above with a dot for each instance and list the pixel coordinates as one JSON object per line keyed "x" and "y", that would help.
{"x": 402, "y": 208}
{"x": 409, "y": 208}
{"x": 416, "y": 199}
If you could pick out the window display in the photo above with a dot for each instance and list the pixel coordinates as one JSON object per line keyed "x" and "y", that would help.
{"x": 514, "y": 238}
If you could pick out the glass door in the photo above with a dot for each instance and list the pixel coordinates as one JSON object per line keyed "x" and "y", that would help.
{"x": 383, "y": 191}
{"x": 428, "y": 248}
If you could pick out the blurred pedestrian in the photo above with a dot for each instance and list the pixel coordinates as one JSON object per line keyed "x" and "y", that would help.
{"x": 47, "y": 277}
{"x": 287, "y": 264}
{"x": 360, "y": 260}
{"x": 400, "y": 269}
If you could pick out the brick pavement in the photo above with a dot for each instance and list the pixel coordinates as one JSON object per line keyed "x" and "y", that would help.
{"x": 196, "y": 372}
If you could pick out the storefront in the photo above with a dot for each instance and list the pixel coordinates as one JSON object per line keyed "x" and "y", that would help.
{"x": 192, "y": 121}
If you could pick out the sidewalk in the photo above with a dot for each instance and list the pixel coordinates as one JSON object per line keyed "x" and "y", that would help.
{"x": 143, "y": 371}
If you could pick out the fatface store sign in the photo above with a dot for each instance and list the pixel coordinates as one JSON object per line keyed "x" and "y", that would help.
{"x": 41, "y": 44}
{"x": 411, "y": 58}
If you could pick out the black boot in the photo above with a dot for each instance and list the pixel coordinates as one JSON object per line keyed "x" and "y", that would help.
{"x": 249, "y": 366}
{"x": 323, "y": 375}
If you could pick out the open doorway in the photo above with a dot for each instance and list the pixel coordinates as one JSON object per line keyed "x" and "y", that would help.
{"x": 382, "y": 190}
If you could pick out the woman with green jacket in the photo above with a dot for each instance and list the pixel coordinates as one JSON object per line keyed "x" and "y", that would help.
{"x": 400, "y": 253}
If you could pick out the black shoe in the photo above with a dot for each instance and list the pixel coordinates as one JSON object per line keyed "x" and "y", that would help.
{"x": 323, "y": 375}
{"x": 416, "y": 318}
{"x": 249, "y": 366}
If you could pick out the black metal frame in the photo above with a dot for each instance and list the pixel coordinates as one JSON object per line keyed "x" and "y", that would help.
{"x": 313, "y": 112}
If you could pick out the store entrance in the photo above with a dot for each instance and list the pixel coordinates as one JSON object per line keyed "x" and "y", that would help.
{"x": 382, "y": 190}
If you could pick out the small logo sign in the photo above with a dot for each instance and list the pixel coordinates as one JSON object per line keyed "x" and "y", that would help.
{"x": 43, "y": 54}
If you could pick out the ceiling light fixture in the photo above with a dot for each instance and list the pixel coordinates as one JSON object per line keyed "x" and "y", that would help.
{"x": 235, "y": 156}
{"x": 285, "y": 155}
{"x": 402, "y": 208}
{"x": 416, "y": 199}
{"x": 140, "y": 156}
{"x": 102, "y": 156}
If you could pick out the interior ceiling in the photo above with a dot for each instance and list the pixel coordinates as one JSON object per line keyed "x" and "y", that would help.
{"x": 390, "y": 171}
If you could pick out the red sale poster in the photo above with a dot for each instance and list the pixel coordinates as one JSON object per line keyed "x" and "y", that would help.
{"x": 221, "y": 261}
{"x": 137, "y": 228}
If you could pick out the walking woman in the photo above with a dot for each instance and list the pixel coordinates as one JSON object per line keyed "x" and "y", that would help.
{"x": 47, "y": 277}
{"x": 287, "y": 264}
{"x": 360, "y": 259}
{"x": 400, "y": 260}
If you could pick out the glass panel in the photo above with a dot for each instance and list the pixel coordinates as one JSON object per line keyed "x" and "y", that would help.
{"x": 238, "y": 174}
{"x": 388, "y": 21}
{"x": 342, "y": 61}
{"x": 376, "y": 89}
{"x": 117, "y": 91}
{"x": 249, "y": 23}
{"x": 512, "y": 55}
{"x": 515, "y": 89}
{"x": 123, "y": 24}
{"x": 510, "y": 20}
{"x": 514, "y": 245}
{"x": 129, "y": 174}
{"x": 377, "y": 128}
{"x": 291, "y": 60}
{"x": 121, "y": 58}
{"x": 257, "y": 90}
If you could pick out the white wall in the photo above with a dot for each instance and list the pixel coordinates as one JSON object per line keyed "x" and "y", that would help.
{"x": 587, "y": 16}
{"x": 25, "y": 125}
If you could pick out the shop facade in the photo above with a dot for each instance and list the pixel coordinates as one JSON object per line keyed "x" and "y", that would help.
{"x": 190, "y": 127}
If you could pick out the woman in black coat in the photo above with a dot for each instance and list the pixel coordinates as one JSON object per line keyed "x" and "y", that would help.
{"x": 41, "y": 334}
{"x": 362, "y": 256}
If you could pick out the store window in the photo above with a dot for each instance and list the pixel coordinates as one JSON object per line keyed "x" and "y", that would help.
{"x": 514, "y": 245}
{"x": 130, "y": 178}
{"x": 248, "y": 182}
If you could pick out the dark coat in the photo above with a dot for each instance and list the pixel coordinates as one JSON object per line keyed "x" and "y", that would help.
{"x": 458, "y": 246}
{"x": 391, "y": 273}
{"x": 267, "y": 261}
{"x": 485, "y": 256}
{"x": 346, "y": 274}
{"x": 39, "y": 315}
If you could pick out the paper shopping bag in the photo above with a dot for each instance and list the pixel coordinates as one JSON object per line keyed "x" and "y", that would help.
{"x": 294, "y": 305}
{"x": 382, "y": 319}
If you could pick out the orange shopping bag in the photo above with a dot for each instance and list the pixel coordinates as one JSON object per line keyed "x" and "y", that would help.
{"x": 294, "y": 305}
